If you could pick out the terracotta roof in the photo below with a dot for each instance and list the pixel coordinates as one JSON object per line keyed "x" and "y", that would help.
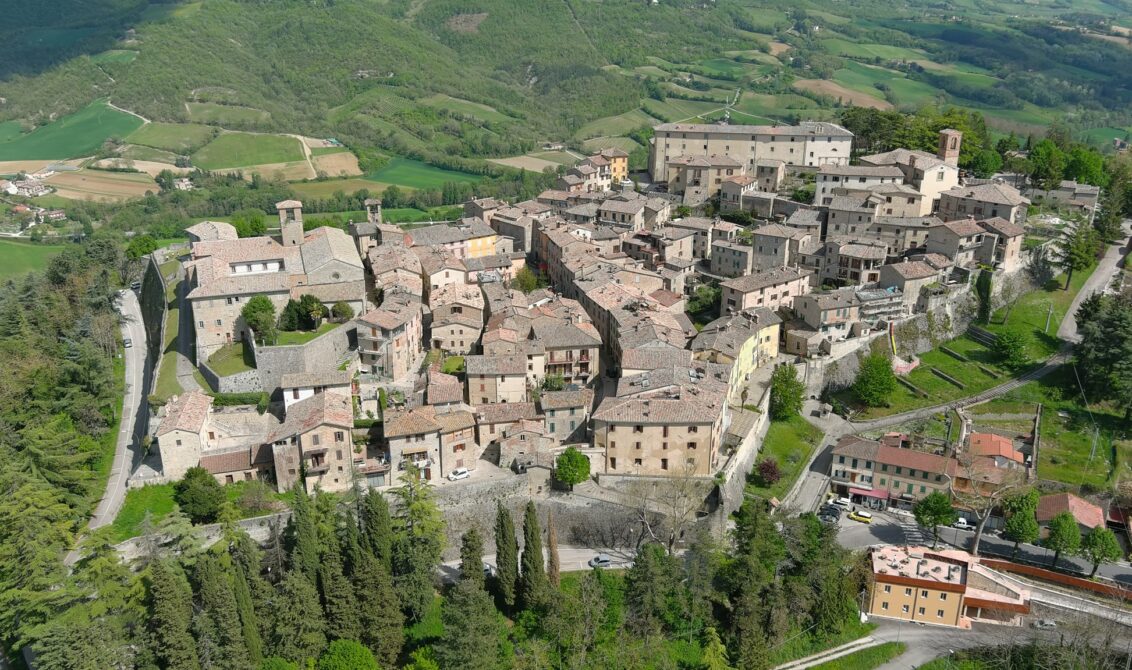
{"x": 235, "y": 459}
{"x": 212, "y": 231}
{"x": 326, "y": 408}
{"x": 1002, "y": 227}
{"x": 507, "y": 412}
{"x": 855, "y": 446}
{"x": 913, "y": 269}
{"x": 417, "y": 421}
{"x": 186, "y": 412}
{"x": 653, "y": 358}
{"x": 288, "y": 204}
{"x": 962, "y": 227}
{"x": 916, "y": 460}
{"x": 861, "y": 170}
{"x": 766, "y": 278}
{"x": 1002, "y": 194}
{"x": 566, "y": 399}
{"x": 687, "y": 410}
{"x": 507, "y": 364}
{"x": 320, "y": 378}
{"x": 443, "y": 388}
{"x": 989, "y": 444}
{"x": 1086, "y": 513}
{"x": 450, "y": 422}
{"x": 815, "y": 128}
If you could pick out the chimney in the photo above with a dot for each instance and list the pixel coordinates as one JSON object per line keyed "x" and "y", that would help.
{"x": 949, "y": 142}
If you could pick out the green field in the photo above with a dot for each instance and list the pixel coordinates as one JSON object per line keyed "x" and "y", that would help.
{"x": 556, "y": 157}
{"x": 626, "y": 144}
{"x": 139, "y": 152}
{"x": 288, "y": 337}
{"x": 616, "y": 125}
{"x": 724, "y": 66}
{"x": 78, "y": 134}
{"x": 674, "y": 110}
{"x": 115, "y": 56}
{"x": 232, "y": 150}
{"x": 415, "y": 174}
{"x": 791, "y": 443}
{"x": 180, "y": 138}
{"x": 326, "y": 151}
{"x": 19, "y": 258}
{"x": 10, "y": 130}
{"x": 466, "y": 107}
{"x": 210, "y": 112}
{"x": 231, "y": 359}
{"x": 840, "y": 47}
{"x": 324, "y": 189}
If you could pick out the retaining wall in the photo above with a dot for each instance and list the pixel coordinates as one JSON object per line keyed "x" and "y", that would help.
{"x": 322, "y": 353}
{"x": 1102, "y": 588}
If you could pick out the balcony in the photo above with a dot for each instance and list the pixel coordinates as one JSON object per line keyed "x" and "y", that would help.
{"x": 318, "y": 468}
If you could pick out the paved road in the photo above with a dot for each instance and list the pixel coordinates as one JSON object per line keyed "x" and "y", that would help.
{"x": 135, "y": 412}
{"x": 1097, "y": 282}
{"x": 570, "y": 559}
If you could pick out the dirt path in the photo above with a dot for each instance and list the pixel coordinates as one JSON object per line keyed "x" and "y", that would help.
{"x": 126, "y": 111}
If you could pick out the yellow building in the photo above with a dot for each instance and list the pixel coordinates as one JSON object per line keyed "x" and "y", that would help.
{"x": 618, "y": 164}
{"x": 744, "y": 340}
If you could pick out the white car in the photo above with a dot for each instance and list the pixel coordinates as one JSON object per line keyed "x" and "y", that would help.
{"x": 963, "y": 524}
{"x": 458, "y": 474}
{"x": 842, "y": 502}
{"x": 600, "y": 561}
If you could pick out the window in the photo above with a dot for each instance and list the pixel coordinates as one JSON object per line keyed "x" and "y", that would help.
{"x": 921, "y": 611}
{"x": 691, "y": 445}
{"x": 943, "y": 596}
{"x": 911, "y": 472}
{"x": 612, "y": 445}
{"x": 200, "y": 324}
{"x": 638, "y": 429}
{"x": 923, "y": 489}
{"x": 637, "y": 462}
{"x": 228, "y": 479}
{"x": 888, "y": 588}
{"x": 552, "y": 427}
{"x": 637, "y": 445}
{"x": 939, "y": 614}
{"x": 908, "y": 592}
{"x": 691, "y": 462}
{"x": 612, "y": 462}
{"x": 315, "y": 439}
{"x": 664, "y": 446}
{"x": 693, "y": 429}
{"x": 178, "y": 443}
{"x": 923, "y": 594}
{"x": 882, "y": 481}
{"x": 884, "y": 606}
{"x": 664, "y": 464}
{"x": 339, "y": 436}
{"x": 219, "y": 322}
{"x": 939, "y": 176}
{"x": 905, "y": 609}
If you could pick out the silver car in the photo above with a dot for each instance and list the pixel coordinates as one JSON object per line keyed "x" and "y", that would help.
{"x": 600, "y": 561}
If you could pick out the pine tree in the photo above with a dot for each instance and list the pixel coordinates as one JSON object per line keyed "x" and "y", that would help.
{"x": 506, "y": 557}
{"x": 532, "y": 578}
{"x": 337, "y": 597}
{"x": 352, "y": 551}
{"x": 303, "y": 535}
{"x": 218, "y": 627}
{"x": 379, "y": 612}
{"x": 300, "y": 631}
{"x": 471, "y": 636}
{"x": 418, "y": 540}
{"x": 471, "y": 556}
{"x": 552, "y": 565}
{"x": 650, "y": 586}
{"x": 376, "y": 526}
{"x": 170, "y": 618}
{"x": 715, "y": 654}
{"x": 247, "y": 585}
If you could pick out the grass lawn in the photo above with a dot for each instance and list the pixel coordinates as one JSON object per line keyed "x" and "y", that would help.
{"x": 615, "y": 125}
{"x": 231, "y": 359}
{"x": 326, "y": 151}
{"x": 10, "y": 130}
{"x": 167, "y": 384}
{"x": 866, "y": 659}
{"x": 78, "y": 134}
{"x": 415, "y": 174}
{"x": 232, "y": 150}
{"x": 959, "y": 663}
{"x": 801, "y": 646}
{"x": 840, "y": 47}
{"x": 180, "y": 138}
{"x": 154, "y": 499}
{"x": 325, "y": 189}
{"x": 210, "y": 112}
{"x": 140, "y": 152}
{"x": 452, "y": 365}
{"x": 1028, "y": 314}
{"x": 790, "y": 443}
{"x": 19, "y": 258}
{"x": 302, "y": 336}
{"x": 115, "y": 56}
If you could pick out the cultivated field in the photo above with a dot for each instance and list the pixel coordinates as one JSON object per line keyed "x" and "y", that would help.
{"x": 336, "y": 164}
{"x": 233, "y": 150}
{"x": 138, "y": 152}
{"x": 78, "y": 134}
{"x": 466, "y": 107}
{"x": 289, "y": 171}
{"x": 315, "y": 190}
{"x": 180, "y": 138}
{"x": 415, "y": 174}
{"x": 102, "y": 186}
{"x": 152, "y": 168}
{"x": 19, "y": 258}
{"x": 616, "y": 125}
{"x": 529, "y": 163}
{"x": 13, "y": 167}
{"x": 210, "y": 112}
{"x": 830, "y": 88}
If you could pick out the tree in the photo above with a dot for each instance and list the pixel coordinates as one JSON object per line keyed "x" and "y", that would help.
{"x": 337, "y": 596}
{"x": 715, "y": 654}
{"x": 651, "y": 588}
{"x": 1075, "y": 250}
{"x": 140, "y": 245}
{"x": 259, "y": 314}
{"x": 418, "y": 540}
{"x": 572, "y": 467}
{"x": 291, "y": 318}
{"x": 1021, "y": 525}
{"x": 312, "y": 311}
{"x": 553, "y": 382}
{"x": 379, "y": 612}
{"x": 376, "y": 526}
{"x": 532, "y": 585}
{"x": 1100, "y": 546}
{"x": 525, "y": 280}
{"x": 252, "y": 592}
{"x": 170, "y": 610}
{"x": 1064, "y": 536}
{"x": 199, "y": 495}
{"x": 471, "y": 556}
{"x": 470, "y": 640}
{"x": 303, "y": 534}
{"x": 986, "y": 163}
{"x": 347, "y": 655}
{"x": 876, "y": 381}
{"x": 787, "y": 393}
{"x": 220, "y": 641}
{"x": 276, "y": 663}
{"x": 985, "y": 488}
{"x": 768, "y": 471}
{"x": 1047, "y": 163}
{"x": 934, "y": 510}
{"x": 506, "y": 557}
{"x": 300, "y": 631}
{"x": 552, "y": 566}
{"x": 342, "y": 311}
{"x": 1010, "y": 349}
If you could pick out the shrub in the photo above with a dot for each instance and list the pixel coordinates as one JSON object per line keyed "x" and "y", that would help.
{"x": 199, "y": 495}
{"x": 768, "y": 472}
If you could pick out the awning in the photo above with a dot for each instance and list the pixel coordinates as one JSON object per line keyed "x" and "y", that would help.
{"x": 869, "y": 493}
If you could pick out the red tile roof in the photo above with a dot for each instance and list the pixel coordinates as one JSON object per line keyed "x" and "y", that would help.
{"x": 1086, "y": 513}
{"x": 989, "y": 444}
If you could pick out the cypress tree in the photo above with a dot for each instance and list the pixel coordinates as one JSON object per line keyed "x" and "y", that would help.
{"x": 418, "y": 541}
{"x": 304, "y": 535}
{"x": 300, "y": 631}
{"x": 552, "y": 566}
{"x": 376, "y": 526}
{"x": 532, "y": 579}
{"x": 170, "y": 618}
{"x": 218, "y": 626}
{"x": 337, "y": 597}
{"x": 379, "y": 612}
{"x": 471, "y": 557}
{"x": 506, "y": 557}
{"x": 352, "y": 552}
{"x": 470, "y": 640}
{"x": 245, "y": 573}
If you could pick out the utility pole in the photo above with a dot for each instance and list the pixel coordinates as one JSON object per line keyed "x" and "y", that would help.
{"x": 1096, "y": 436}
{"x": 1049, "y": 315}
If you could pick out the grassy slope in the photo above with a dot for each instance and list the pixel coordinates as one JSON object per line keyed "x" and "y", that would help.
{"x": 19, "y": 258}
{"x": 866, "y": 659}
{"x": 790, "y": 443}
{"x": 78, "y": 134}
{"x": 175, "y": 137}
{"x": 415, "y": 174}
{"x": 232, "y": 150}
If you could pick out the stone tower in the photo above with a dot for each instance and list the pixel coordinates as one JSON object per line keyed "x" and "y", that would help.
{"x": 949, "y": 142}
{"x": 373, "y": 211}
{"x": 290, "y": 222}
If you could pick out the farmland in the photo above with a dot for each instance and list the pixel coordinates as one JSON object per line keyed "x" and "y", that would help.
{"x": 314, "y": 190}
{"x": 78, "y": 134}
{"x": 19, "y": 258}
{"x": 102, "y": 186}
{"x": 178, "y": 138}
{"x": 232, "y": 150}
{"x": 415, "y": 174}
{"x": 209, "y": 112}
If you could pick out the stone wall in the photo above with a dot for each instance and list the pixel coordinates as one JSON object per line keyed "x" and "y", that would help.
{"x": 771, "y": 205}
{"x": 153, "y": 307}
{"x": 241, "y": 382}
{"x": 324, "y": 352}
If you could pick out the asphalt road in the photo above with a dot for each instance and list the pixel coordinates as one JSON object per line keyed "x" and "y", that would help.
{"x": 570, "y": 559}
{"x": 135, "y": 412}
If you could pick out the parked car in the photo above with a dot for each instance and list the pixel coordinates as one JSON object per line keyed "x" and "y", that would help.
{"x": 862, "y": 516}
{"x": 842, "y": 501}
{"x": 1044, "y": 624}
{"x": 828, "y": 518}
{"x": 127, "y": 342}
{"x": 135, "y": 285}
{"x": 458, "y": 474}
{"x": 831, "y": 510}
{"x": 600, "y": 561}
{"x": 488, "y": 570}
{"x": 963, "y": 524}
